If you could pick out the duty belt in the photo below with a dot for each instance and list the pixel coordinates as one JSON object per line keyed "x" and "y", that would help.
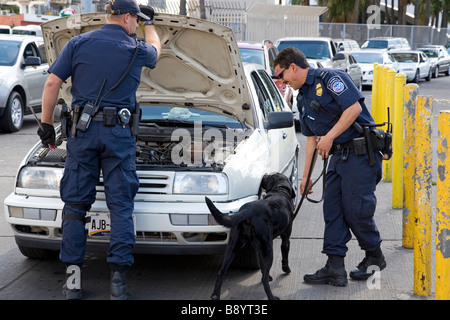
{"x": 342, "y": 146}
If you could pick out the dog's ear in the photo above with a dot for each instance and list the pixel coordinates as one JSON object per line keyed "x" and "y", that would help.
{"x": 264, "y": 181}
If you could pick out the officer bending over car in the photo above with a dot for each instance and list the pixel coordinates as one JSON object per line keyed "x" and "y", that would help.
{"x": 105, "y": 68}
{"x": 329, "y": 104}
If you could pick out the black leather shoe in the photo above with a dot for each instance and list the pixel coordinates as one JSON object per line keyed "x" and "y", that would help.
{"x": 333, "y": 273}
{"x": 360, "y": 272}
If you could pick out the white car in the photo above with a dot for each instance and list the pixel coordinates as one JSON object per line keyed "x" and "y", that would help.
{"x": 23, "y": 72}
{"x": 414, "y": 64}
{"x": 367, "y": 58}
{"x": 210, "y": 126}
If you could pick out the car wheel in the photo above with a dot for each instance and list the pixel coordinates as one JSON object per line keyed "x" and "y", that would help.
{"x": 12, "y": 118}
{"x": 428, "y": 77}
{"x": 448, "y": 71}
{"x": 246, "y": 257}
{"x": 37, "y": 253}
{"x": 436, "y": 72}
{"x": 416, "y": 77}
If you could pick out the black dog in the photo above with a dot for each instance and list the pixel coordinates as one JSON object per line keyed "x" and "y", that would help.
{"x": 260, "y": 222}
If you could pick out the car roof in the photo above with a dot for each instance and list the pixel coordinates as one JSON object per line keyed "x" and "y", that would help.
{"x": 19, "y": 37}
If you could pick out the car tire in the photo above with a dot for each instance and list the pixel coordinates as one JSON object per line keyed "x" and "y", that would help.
{"x": 247, "y": 258}
{"x": 436, "y": 72}
{"x": 37, "y": 253}
{"x": 416, "y": 77}
{"x": 448, "y": 71}
{"x": 428, "y": 78}
{"x": 12, "y": 119}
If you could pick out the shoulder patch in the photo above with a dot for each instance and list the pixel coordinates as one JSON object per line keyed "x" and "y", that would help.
{"x": 336, "y": 85}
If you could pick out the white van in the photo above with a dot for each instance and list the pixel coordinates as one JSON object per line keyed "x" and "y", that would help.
{"x": 4, "y": 29}
{"x": 31, "y": 30}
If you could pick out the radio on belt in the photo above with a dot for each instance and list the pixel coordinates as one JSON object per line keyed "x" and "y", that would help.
{"x": 124, "y": 116}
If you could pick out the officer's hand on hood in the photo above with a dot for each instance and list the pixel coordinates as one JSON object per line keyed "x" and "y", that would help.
{"x": 148, "y": 11}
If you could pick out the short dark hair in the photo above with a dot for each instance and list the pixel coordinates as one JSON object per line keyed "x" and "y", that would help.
{"x": 291, "y": 55}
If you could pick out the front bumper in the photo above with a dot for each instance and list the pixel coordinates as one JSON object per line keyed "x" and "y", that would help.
{"x": 161, "y": 227}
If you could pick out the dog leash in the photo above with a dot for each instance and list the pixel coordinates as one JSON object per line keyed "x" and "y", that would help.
{"x": 305, "y": 192}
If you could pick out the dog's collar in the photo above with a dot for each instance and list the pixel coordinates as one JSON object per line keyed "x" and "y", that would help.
{"x": 280, "y": 189}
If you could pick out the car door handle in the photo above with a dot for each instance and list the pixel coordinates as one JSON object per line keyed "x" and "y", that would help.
{"x": 284, "y": 135}
{"x": 44, "y": 72}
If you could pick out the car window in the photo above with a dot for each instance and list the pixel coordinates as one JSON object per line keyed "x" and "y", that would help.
{"x": 252, "y": 56}
{"x": 406, "y": 57}
{"x": 312, "y": 49}
{"x": 273, "y": 91}
{"x": 264, "y": 100}
{"x": 8, "y": 52}
{"x": 30, "y": 51}
{"x": 364, "y": 57}
{"x": 273, "y": 52}
{"x": 161, "y": 114}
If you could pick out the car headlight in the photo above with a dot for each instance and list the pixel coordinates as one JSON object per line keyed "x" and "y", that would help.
{"x": 200, "y": 183}
{"x": 39, "y": 178}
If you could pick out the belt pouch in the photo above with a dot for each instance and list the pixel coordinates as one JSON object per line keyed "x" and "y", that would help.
{"x": 135, "y": 118}
{"x": 360, "y": 146}
{"x": 109, "y": 116}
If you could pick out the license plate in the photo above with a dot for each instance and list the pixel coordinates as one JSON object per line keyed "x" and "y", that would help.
{"x": 100, "y": 224}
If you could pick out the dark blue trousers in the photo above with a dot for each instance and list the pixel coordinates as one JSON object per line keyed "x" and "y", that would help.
{"x": 350, "y": 202}
{"x": 111, "y": 150}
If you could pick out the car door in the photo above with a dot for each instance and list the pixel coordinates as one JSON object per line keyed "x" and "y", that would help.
{"x": 34, "y": 76}
{"x": 280, "y": 140}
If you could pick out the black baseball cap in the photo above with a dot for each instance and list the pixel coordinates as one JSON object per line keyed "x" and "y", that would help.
{"x": 126, "y": 6}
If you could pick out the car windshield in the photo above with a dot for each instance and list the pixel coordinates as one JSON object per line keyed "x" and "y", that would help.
{"x": 430, "y": 53}
{"x": 375, "y": 44}
{"x": 311, "y": 49}
{"x": 252, "y": 56}
{"x": 406, "y": 57}
{"x": 368, "y": 57}
{"x": 166, "y": 114}
{"x": 8, "y": 52}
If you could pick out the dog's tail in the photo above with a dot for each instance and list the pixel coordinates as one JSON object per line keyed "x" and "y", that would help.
{"x": 221, "y": 218}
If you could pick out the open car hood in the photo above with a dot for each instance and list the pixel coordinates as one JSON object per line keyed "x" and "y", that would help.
{"x": 200, "y": 64}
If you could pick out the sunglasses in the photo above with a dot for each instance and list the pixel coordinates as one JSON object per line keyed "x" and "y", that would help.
{"x": 280, "y": 75}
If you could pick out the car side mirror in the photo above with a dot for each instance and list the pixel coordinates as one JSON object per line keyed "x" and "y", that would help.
{"x": 31, "y": 61}
{"x": 339, "y": 56}
{"x": 278, "y": 120}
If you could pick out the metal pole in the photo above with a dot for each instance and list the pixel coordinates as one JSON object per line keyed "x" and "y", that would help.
{"x": 422, "y": 227}
{"x": 442, "y": 267}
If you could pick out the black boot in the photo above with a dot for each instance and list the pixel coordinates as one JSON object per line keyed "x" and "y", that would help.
{"x": 119, "y": 290}
{"x": 72, "y": 286}
{"x": 372, "y": 258}
{"x": 333, "y": 273}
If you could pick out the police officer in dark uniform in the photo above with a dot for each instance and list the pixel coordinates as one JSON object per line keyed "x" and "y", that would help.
{"x": 96, "y": 61}
{"x": 329, "y": 103}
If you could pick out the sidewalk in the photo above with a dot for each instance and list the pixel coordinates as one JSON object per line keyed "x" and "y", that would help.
{"x": 396, "y": 282}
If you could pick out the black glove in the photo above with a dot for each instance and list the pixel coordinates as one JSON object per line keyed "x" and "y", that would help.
{"x": 148, "y": 11}
{"x": 47, "y": 134}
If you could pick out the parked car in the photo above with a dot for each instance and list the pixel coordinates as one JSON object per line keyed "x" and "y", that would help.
{"x": 366, "y": 59}
{"x": 351, "y": 66}
{"x": 388, "y": 43}
{"x": 4, "y": 29}
{"x": 439, "y": 59}
{"x": 346, "y": 45}
{"x": 264, "y": 53}
{"x": 321, "y": 49}
{"x": 414, "y": 64}
{"x": 23, "y": 72}
{"x": 211, "y": 126}
{"x": 30, "y": 30}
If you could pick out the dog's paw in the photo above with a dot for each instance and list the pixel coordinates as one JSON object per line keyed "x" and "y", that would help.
{"x": 274, "y": 298}
{"x": 286, "y": 269}
{"x": 215, "y": 297}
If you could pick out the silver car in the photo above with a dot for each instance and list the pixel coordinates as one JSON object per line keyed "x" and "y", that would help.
{"x": 23, "y": 72}
{"x": 211, "y": 126}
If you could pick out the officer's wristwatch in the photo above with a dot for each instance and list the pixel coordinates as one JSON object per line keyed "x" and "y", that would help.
{"x": 148, "y": 23}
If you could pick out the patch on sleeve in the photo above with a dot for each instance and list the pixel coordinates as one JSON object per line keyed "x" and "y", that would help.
{"x": 336, "y": 85}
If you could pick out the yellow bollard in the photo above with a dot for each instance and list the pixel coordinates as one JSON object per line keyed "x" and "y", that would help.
{"x": 397, "y": 140}
{"x": 442, "y": 267}
{"x": 388, "y": 108}
{"x": 381, "y": 102}
{"x": 411, "y": 92}
{"x": 422, "y": 202}
{"x": 374, "y": 87}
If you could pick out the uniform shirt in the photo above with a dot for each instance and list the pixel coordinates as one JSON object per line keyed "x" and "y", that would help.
{"x": 335, "y": 91}
{"x": 103, "y": 54}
